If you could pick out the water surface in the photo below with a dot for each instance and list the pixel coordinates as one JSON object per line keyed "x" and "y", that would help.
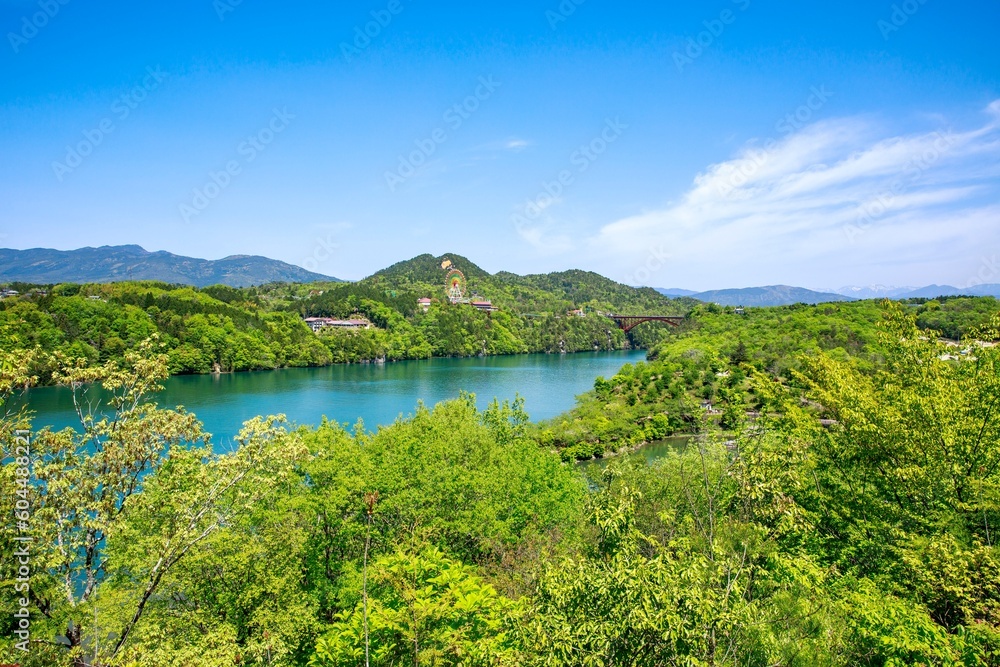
{"x": 376, "y": 393}
{"x": 649, "y": 454}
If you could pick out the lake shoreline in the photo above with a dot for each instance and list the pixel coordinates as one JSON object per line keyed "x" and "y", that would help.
{"x": 387, "y": 362}
{"x": 677, "y": 437}
{"x": 377, "y": 393}
{"x": 618, "y": 453}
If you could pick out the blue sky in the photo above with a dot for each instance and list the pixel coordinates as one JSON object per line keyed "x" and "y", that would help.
{"x": 710, "y": 145}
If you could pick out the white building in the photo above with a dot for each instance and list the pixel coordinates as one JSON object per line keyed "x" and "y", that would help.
{"x": 317, "y": 324}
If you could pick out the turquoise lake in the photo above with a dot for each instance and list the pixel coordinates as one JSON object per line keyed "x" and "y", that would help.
{"x": 375, "y": 393}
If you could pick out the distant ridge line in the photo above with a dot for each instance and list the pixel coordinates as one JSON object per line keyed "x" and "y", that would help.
{"x": 108, "y": 264}
{"x": 785, "y": 295}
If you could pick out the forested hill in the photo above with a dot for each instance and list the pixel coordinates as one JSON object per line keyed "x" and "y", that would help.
{"x": 427, "y": 269}
{"x": 709, "y": 360}
{"x": 220, "y": 328}
{"x": 586, "y": 286}
{"x": 425, "y": 275}
{"x": 131, "y": 262}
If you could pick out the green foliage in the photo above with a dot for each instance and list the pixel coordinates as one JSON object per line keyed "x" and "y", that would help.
{"x": 470, "y": 479}
{"x": 706, "y": 364}
{"x": 867, "y": 539}
{"x": 424, "y": 608}
{"x": 956, "y": 317}
{"x": 116, "y": 507}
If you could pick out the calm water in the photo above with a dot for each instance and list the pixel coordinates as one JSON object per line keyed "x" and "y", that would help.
{"x": 375, "y": 393}
{"x": 648, "y": 453}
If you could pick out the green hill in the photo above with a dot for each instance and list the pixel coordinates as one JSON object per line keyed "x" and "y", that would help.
{"x": 427, "y": 269}
{"x": 551, "y": 292}
{"x": 222, "y": 328}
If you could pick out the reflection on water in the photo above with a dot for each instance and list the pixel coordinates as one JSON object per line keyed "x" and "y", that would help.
{"x": 648, "y": 453}
{"x": 376, "y": 393}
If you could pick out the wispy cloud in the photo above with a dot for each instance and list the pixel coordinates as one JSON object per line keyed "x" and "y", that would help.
{"x": 844, "y": 190}
{"x": 517, "y": 144}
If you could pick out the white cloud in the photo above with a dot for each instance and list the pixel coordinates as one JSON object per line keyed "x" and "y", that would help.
{"x": 837, "y": 194}
{"x": 517, "y": 144}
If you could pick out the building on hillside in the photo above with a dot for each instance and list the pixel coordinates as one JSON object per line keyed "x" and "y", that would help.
{"x": 317, "y": 324}
{"x": 576, "y": 313}
{"x": 424, "y": 304}
{"x": 8, "y": 293}
{"x": 485, "y": 306}
{"x": 740, "y": 311}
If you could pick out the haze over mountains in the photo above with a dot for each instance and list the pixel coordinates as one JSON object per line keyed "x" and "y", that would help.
{"x": 109, "y": 264}
{"x": 784, "y": 295}
{"x": 772, "y": 295}
{"x": 874, "y": 292}
{"x": 947, "y": 290}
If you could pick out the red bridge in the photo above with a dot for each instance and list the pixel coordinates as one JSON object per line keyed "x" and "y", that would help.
{"x": 628, "y": 322}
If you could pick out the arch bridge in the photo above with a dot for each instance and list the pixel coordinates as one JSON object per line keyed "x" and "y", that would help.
{"x": 628, "y": 322}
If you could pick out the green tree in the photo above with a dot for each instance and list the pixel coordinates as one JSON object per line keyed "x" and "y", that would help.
{"x": 424, "y": 608}
{"x": 116, "y": 506}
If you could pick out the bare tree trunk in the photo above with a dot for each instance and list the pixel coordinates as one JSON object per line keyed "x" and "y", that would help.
{"x": 364, "y": 584}
{"x": 370, "y": 500}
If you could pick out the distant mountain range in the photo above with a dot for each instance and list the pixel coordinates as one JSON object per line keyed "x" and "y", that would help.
{"x": 948, "y": 290}
{"x": 772, "y": 295}
{"x": 929, "y": 292}
{"x": 109, "y": 264}
{"x": 874, "y": 292}
{"x": 674, "y": 292}
{"x": 784, "y": 295}
{"x": 131, "y": 262}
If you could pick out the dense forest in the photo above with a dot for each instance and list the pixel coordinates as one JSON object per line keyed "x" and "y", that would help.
{"x": 838, "y": 505}
{"x": 224, "y": 329}
{"x": 710, "y": 364}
